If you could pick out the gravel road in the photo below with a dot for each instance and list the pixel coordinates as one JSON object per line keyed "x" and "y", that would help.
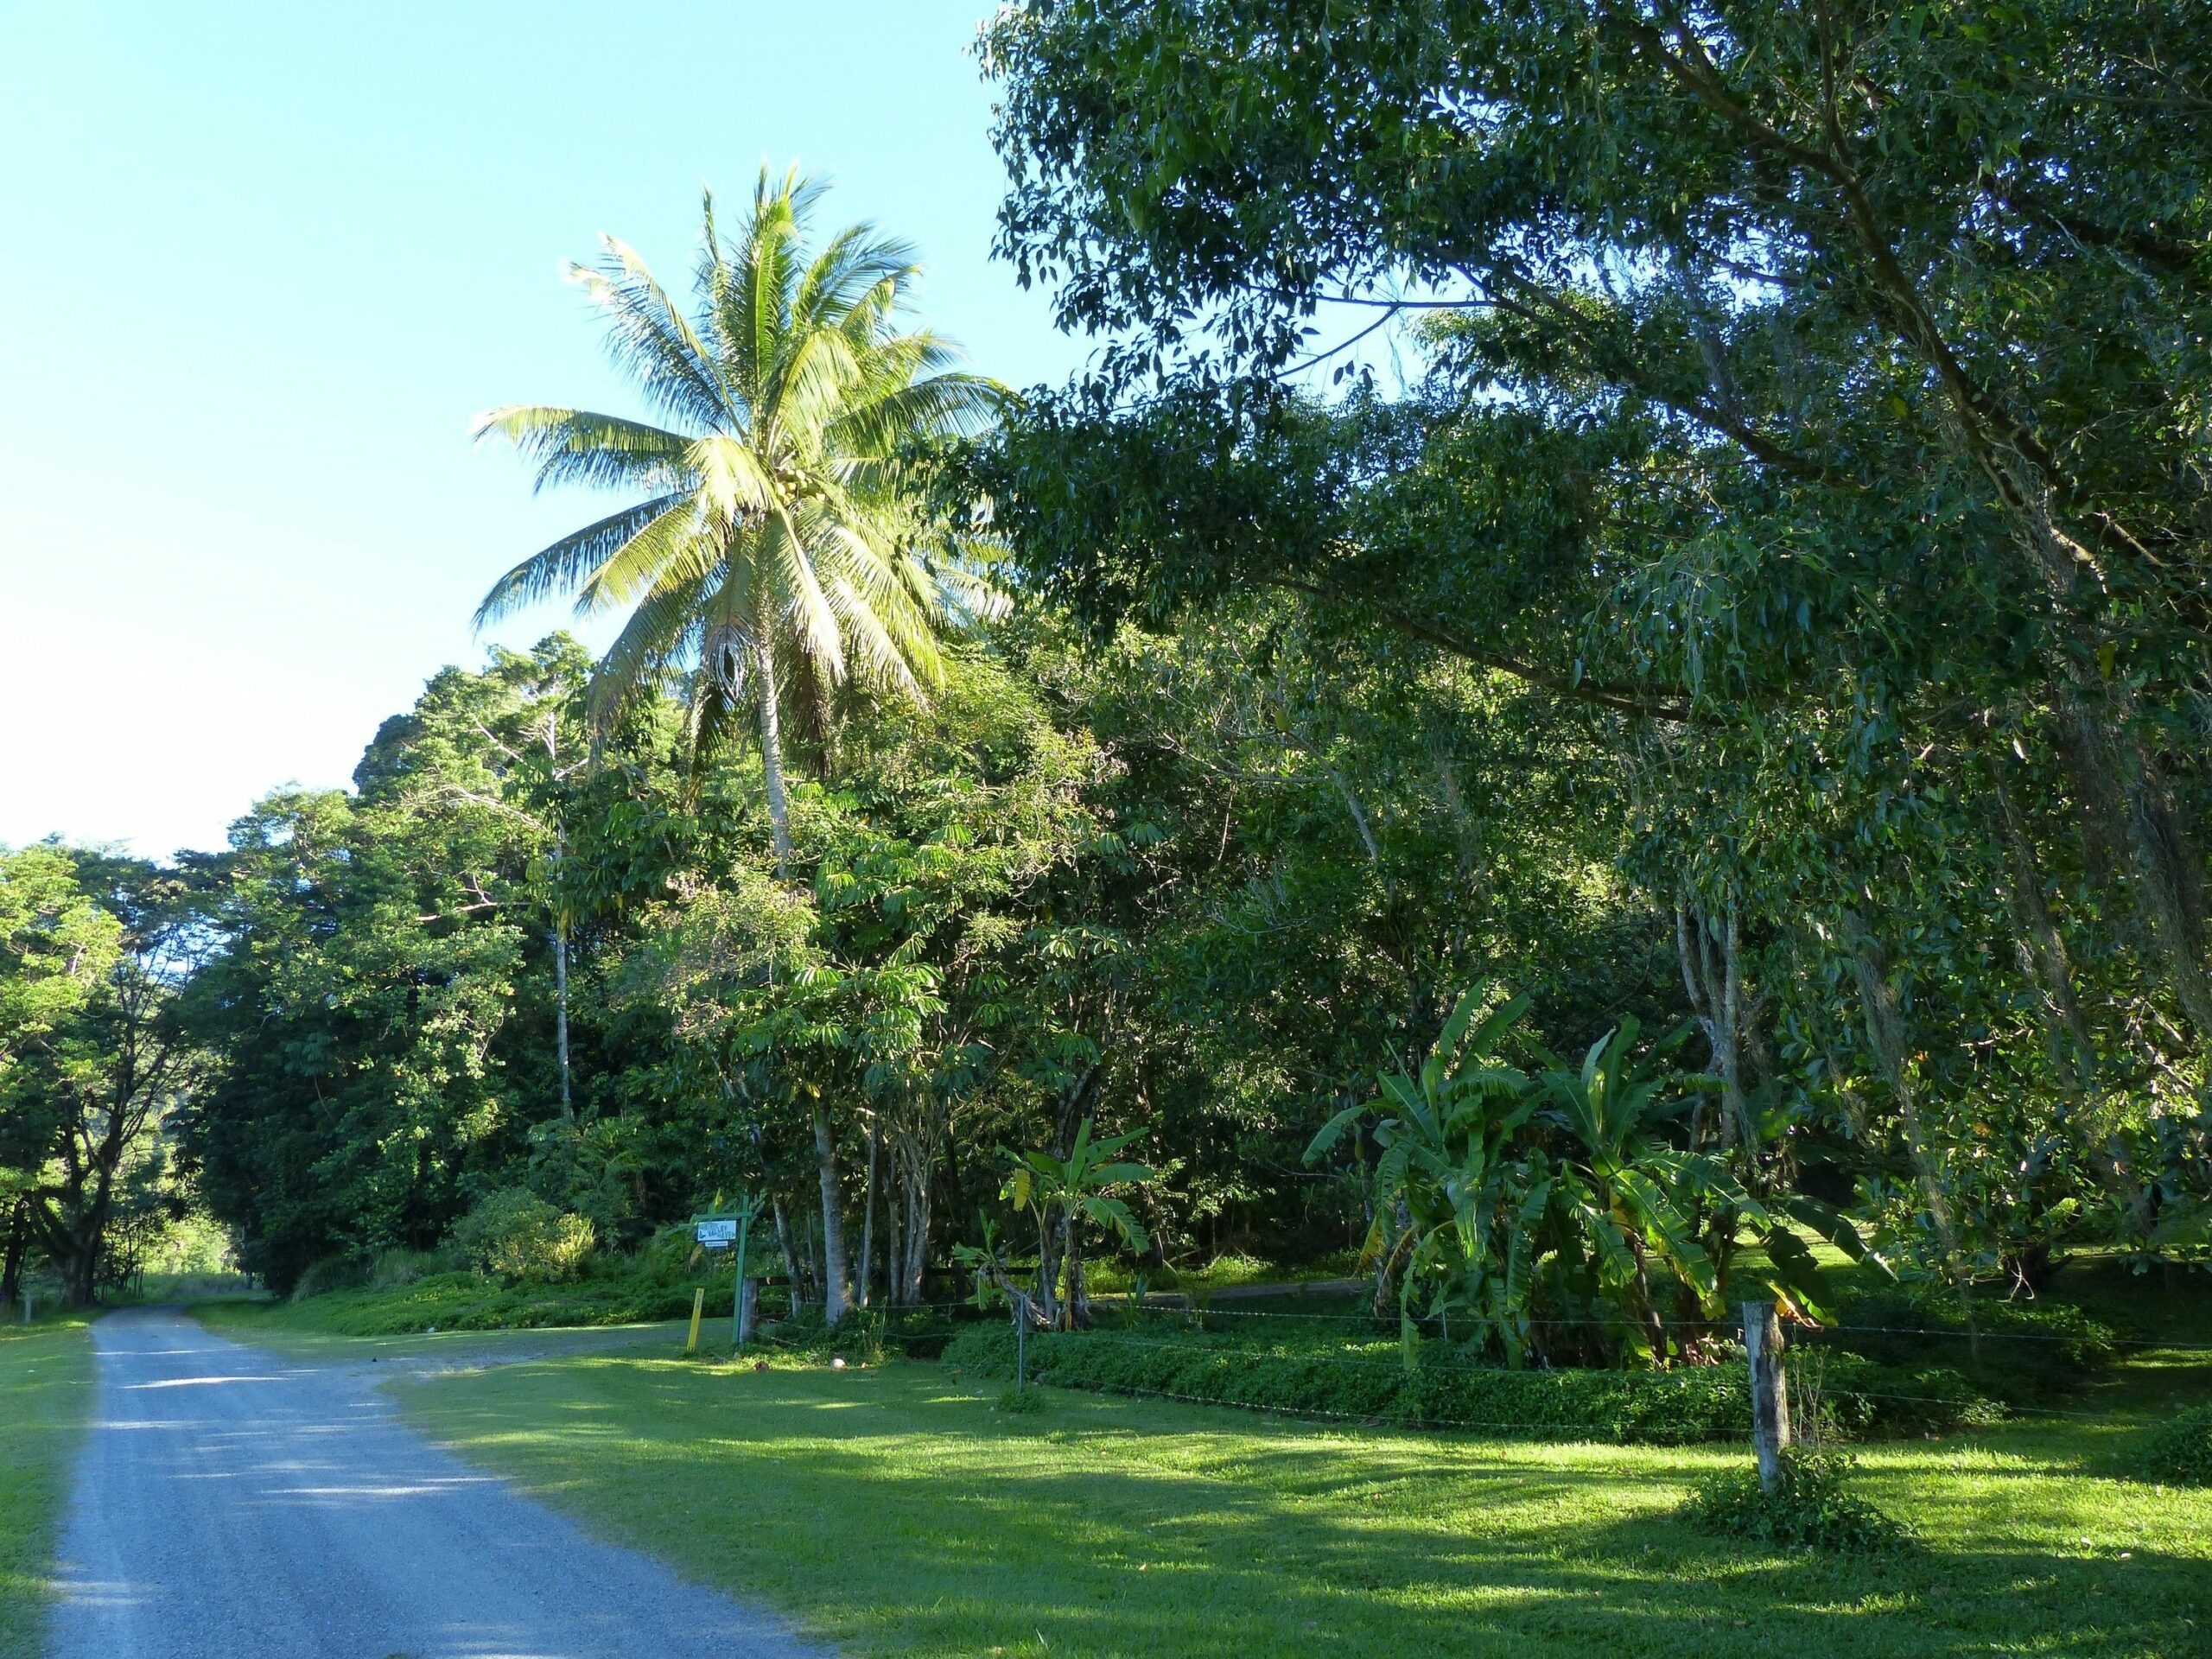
{"x": 229, "y": 1503}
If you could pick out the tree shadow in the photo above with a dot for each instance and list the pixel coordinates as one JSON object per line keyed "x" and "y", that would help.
{"x": 897, "y": 1516}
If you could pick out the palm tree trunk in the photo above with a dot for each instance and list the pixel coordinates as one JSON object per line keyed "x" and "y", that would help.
{"x": 771, "y": 748}
{"x": 834, "y": 1300}
{"x": 561, "y": 1013}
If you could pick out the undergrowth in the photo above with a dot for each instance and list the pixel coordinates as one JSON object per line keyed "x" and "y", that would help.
{"x": 1811, "y": 1507}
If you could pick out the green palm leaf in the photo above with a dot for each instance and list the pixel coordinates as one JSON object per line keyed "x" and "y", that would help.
{"x": 783, "y": 547}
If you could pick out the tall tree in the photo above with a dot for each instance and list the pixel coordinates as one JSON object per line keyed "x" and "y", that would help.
{"x": 91, "y": 1057}
{"x": 781, "y": 547}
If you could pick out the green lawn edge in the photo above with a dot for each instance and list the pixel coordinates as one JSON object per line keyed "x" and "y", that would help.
{"x": 45, "y": 1391}
{"x": 894, "y": 1510}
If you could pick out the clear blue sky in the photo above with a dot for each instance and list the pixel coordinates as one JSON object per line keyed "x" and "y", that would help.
{"x": 265, "y": 262}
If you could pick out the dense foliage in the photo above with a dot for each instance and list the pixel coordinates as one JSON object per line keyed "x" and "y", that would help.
{"x": 1756, "y": 611}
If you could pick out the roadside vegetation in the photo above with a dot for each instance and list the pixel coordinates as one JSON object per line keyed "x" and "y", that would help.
{"x": 45, "y": 1373}
{"x": 1107, "y": 1527}
{"x": 1592, "y": 713}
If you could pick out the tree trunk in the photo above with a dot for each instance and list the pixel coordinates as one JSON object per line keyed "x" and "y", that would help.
{"x": 1048, "y": 1275}
{"x": 12, "y": 1253}
{"x": 80, "y": 1262}
{"x": 917, "y": 1234}
{"x": 868, "y": 1210}
{"x": 772, "y": 749}
{"x": 1077, "y": 1303}
{"x": 2042, "y": 944}
{"x": 1885, "y": 1035}
{"x": 834, "y": 1301}
{"x": 560, "y": 1013}
{"x": 2127, "y": 801}
{"x": 794, "y": 1269}
{"x": 895, "y": 1235}
{"x": 1712, "y": 971}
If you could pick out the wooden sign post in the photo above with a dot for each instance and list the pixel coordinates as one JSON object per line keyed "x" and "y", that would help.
{"x": 721, "y": 1229}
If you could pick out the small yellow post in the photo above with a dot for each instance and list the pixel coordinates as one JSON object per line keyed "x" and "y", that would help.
{"x": 698, "y": 1306}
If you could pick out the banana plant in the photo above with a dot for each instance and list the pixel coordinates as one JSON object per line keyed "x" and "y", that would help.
{"x": 1459, "y": 1197}
{"x": 1638, "y": 1201}
{"x": 1064, "y": 1195}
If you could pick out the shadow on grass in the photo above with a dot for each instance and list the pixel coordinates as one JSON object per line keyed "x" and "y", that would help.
{"x": 896, "y": 1513}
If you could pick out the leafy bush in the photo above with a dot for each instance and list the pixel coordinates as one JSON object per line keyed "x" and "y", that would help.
{"x": 1369, "y": 1380}
{"x": 517, "y": 1236}
{"x": 2180, "y": 1449}
{"x": 464, "y": 1301}
{"x": 1810, "y": 1507}
{"x": 2031, "y": 1350}
{"x": 1860, "y": 1398}
{"x": 859, "y": 1336}
{"x": 1019, "y": 1403}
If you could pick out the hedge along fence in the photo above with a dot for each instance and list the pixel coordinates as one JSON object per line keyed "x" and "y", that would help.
{"x": 1711, "y": 1402}
{"x": 1371, "y": 1383}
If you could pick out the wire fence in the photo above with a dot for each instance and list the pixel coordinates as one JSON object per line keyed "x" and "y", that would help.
{"x": 1346, "y": 1342}
{"x": 1391, "y": 1325}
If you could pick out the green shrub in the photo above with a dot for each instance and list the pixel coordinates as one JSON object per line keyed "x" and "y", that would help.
{"x": 1810, "y": 1507}
{"x": 2029, "y": 1350}
{"x": 1447, "y": 1387}
{"x": 1860, "y": 1398}
{"x": 859, "y": 1336}
{"x": 464, "y": 1301}
{"x": 1369, "y": 1381}
{"x": 2180, "y": 1449}
{"x": 515, "y": 1236}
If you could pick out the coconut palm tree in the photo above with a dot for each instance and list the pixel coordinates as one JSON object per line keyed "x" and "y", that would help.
{"x": 779, "y": 547}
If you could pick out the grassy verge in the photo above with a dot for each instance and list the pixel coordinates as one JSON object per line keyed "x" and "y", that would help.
{"x": 893, "y": 1511}
{"x": 46, "y": 1372}
{"x": 463, "y": 1301}
{"x": 306, "y": 1331}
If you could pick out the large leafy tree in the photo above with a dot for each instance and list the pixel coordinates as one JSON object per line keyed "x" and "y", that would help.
{"x": 1811, "y": 393}
{"x": 779, "y": 547}
{"x": 92, "y": 1059}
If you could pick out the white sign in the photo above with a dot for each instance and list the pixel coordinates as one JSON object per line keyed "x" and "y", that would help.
{"x": 718, "y": 1235}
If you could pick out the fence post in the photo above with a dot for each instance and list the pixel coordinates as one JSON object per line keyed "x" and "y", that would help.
{"x": 1769, "y": 1393}
{"x": 748, "y": 1302}
{"x": 1020, "y": 1340}
{"x": 698, "y": 1306}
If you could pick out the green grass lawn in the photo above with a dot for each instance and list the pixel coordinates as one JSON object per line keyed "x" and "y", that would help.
{"x": 894, "y": 1511}
{"x": 45, "y": 1375}
{"x": 308, "y": 1329}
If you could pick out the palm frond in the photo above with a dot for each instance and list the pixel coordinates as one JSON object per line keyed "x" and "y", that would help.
{"x": 577, "y": 446}
{"x": 652, "y": 341}
{"x": 567, "y": 564}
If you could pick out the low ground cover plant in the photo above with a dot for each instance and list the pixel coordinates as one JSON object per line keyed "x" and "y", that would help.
{"x": 1368, "y": 1379}
{"x": 1811, "y": 1507}
{"x": 2016, "y": 1352}
{"x": 2180, "y": 1449}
